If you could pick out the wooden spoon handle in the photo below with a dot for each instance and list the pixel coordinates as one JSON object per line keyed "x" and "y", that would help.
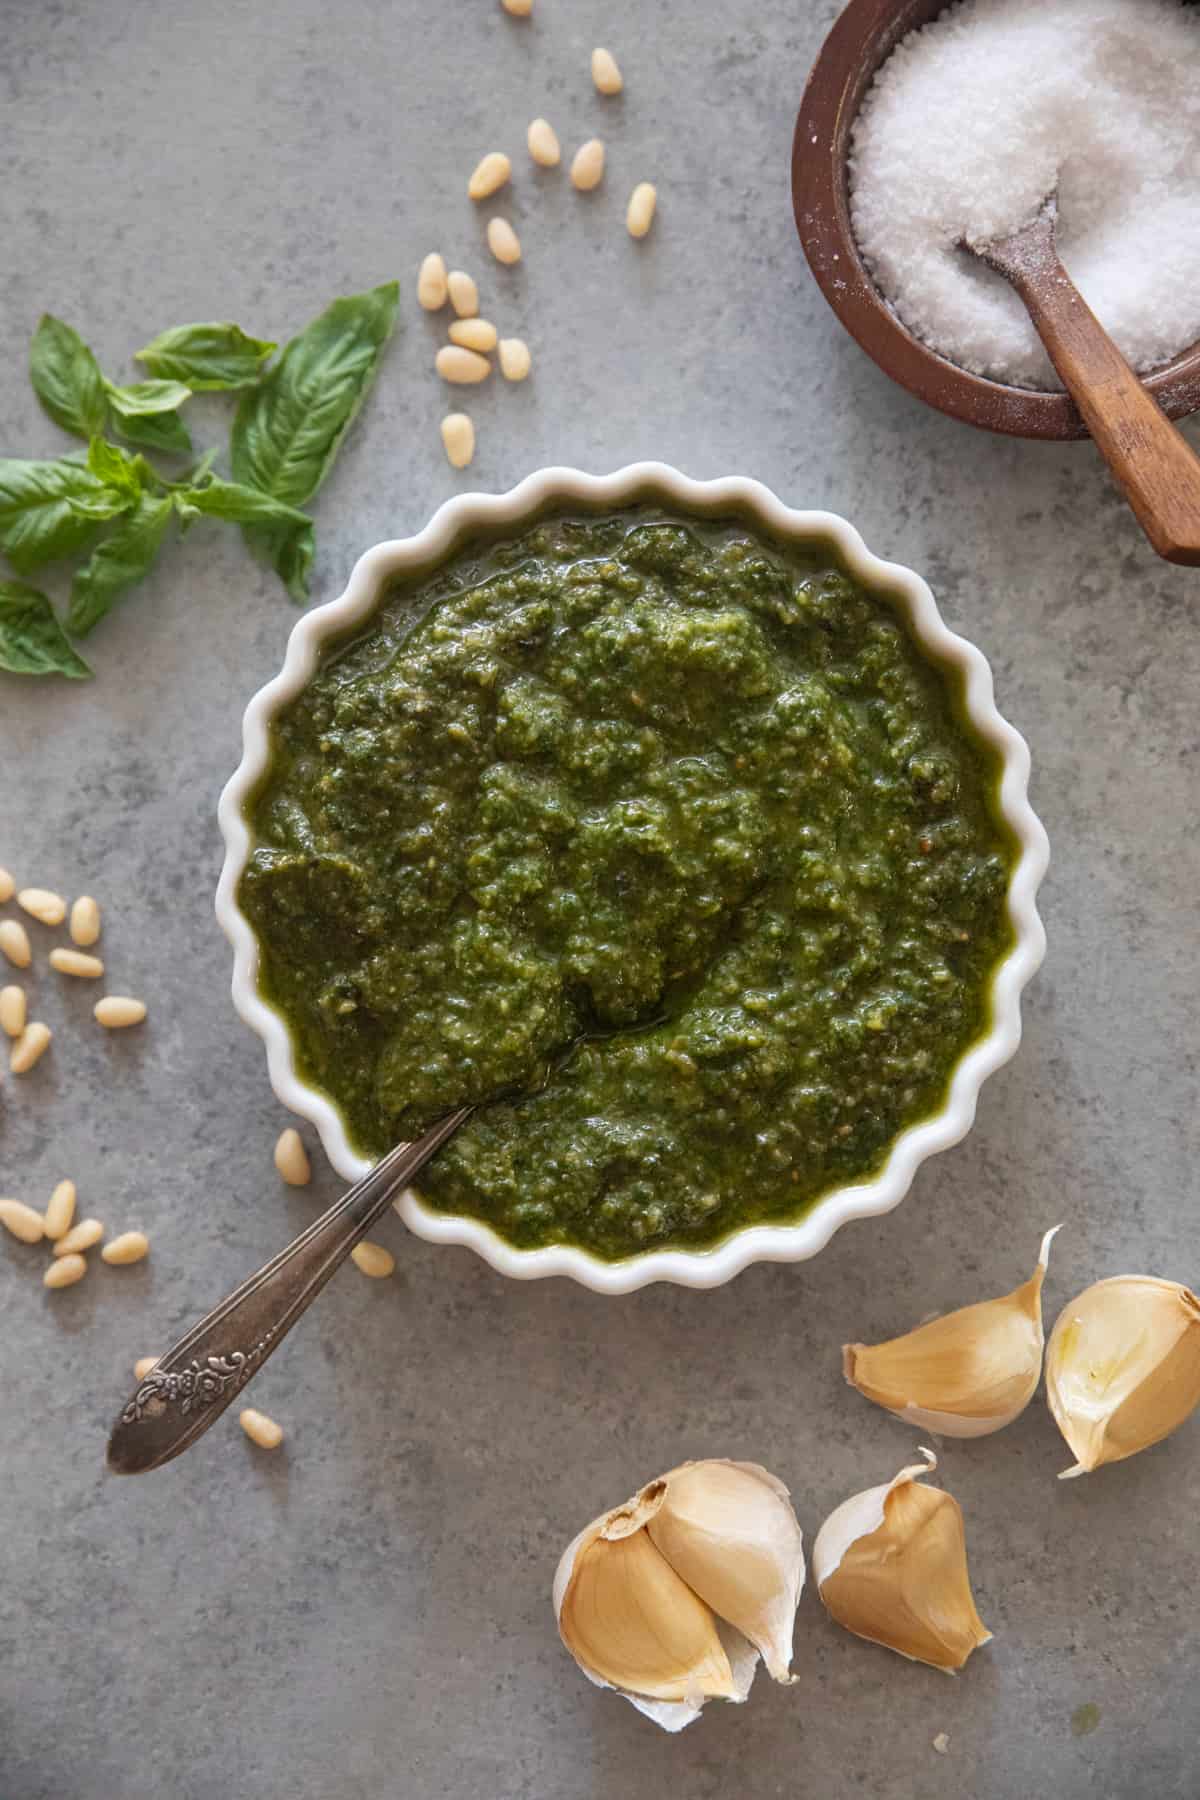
{"x": 1152, "y": 461}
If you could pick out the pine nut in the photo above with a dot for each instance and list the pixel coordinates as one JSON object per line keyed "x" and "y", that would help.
{"x": 543, "y": 143}
{"x": 431, "y": 283}
{"x": 642, "y": 203}
{"x": 587, "y": 170}
{"x": 60, "y": 1211}
{"x": 40, "y": 903}
{"x": 65, "y": 1272}
{"x": 464, "y": 295}
{"x": 460, "y": 366}
{"x": 12, "y": 1010}
{"x": 130, "y": 1247}
{"x": 32, "y": 1043}
{"x": 503, "y": 241}
{"x": 458, "y": 438}
{"x": 14, "y": 942}
{"x": 22, "y": 1221}
{"x": 85, "y": 921}
{"x": 519, "y": 9}
{"x": 291, "y": 1158}
{"x": 489, "y": 175}
{"x": 8, "y": 886}
{"x": 260, "y": 1430}
{"x": 143, "y": 1366}
{"x": 515, "y": 360}
{"x": 75, "y": 962}
{"x": 117, "y": 1010}
{"x": 83, "y": 1236}
{"x": 473, "y": 334}
{"x": 605, "y": 72}
{"x": 373, "y": 1260}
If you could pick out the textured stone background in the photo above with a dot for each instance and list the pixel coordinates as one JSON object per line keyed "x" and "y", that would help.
{"x": 367, "y": 1613}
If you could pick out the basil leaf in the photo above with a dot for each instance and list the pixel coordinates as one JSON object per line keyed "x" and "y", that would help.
{"x": 117, "y": 469}
{"x": 32, "y": 641}
{"x": 118, "y": 563}
{"x": 244, "y": 505}
{"x": 289, "y": 429}
{"x": 41, "y": 516}
{"x": 207, "y": 356}
{"x": 289, "y": 549}
{"x": 66, "y": 377}
{"x": 147, "y": 396}
{"x": 146, "y": 413}
{"x": 98, "y": 507}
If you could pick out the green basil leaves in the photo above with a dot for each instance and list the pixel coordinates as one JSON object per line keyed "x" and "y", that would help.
{"x": 291, "y": 420}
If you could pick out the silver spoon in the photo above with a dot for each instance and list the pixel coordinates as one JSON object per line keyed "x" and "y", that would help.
{"x": 189, "y": 1388}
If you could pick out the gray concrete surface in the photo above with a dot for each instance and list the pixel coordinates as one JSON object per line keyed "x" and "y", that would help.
{"x": 367, "y": 1613}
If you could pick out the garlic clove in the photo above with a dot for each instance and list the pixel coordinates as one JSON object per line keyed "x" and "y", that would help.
{"x": 891, "y": 1566}
{"x": 729, "y": 1530}
{"x": 1123, "y": 1368}
{"x": 966, "y": 1374}
{"x": 632, "y": 1623}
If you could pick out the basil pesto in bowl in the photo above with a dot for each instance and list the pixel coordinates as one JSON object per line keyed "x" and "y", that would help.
{"x": 666, "y": 826}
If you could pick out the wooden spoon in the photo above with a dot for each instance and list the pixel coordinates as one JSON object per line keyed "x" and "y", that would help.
{"x": 1154, "y": 464}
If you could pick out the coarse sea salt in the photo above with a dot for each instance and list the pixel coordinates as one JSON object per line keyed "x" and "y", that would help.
{"x": 971, "y": 122}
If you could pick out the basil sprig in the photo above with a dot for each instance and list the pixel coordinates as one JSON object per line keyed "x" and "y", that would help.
{"x": 291, "y": 420}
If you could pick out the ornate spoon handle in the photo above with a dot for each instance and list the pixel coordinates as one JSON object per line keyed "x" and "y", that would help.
{"x": 190, "y": 1387}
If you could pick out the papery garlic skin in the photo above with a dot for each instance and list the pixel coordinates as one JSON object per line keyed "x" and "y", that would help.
{"x": 890, "y": 1565}
{"x": 729, "y": 1530}
{"x": 1123, "y": 1368}
{"x": 635, "y": 1623}
{"x": 966, "y": 1374}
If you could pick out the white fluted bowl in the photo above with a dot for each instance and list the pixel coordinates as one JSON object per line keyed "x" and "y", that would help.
{"x": 464, "y": 516}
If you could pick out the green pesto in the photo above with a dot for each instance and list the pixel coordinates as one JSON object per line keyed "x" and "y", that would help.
{"x": 662, "y": 842}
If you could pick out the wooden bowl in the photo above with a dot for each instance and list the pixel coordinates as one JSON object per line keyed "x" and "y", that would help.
{"x": 863, "y": 37}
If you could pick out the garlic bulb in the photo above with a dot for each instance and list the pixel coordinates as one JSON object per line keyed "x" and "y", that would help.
{"x": 672, "y": 1598}
{"x": 891, "y": 1566}
{"x": 1123, "y": 1367}
{"x": 966, "y": 1374}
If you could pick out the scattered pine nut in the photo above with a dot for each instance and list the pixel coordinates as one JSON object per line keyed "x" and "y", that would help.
{"x": 431, "y": 283}
{"x": 60, "y": 1211}
{"x": 8, "y": 886}
{"x": 373, "y": 1260}
{"x": 41, "y": 904}
{"x": 33, "y": 1042}
{"x": 587, "y": 170}
{"x": 461, "y": 366}
{"x": 22, "y": 1221}
{"x": 12, "y": 1010}
{"x": 260, "y": 1430}
{"x": 642, "y": 203}
{"x": 291, "y": 1158}
{"x": 489, "y": 175}
{"x": 464, "y": 295}
{"x": 515, "y": 360}
{"x": 117, "y": 1010}
{"x": 605, "y": 72}
{"x": 474, "y": 334}
{"x": 75, "y": 962}
{"x": 14, "y": 942}
{"x": 65, "y": 1272}
{"x": 543, "y": 143}
{"x": 519, "y": 9}
{"x": 129, "y": 1247}
{"x": 85, "y": 921}
{"x": 83, "y": 1236}
{"x": 458, "y": 439}
{"x": 143, "y": 1366}
{"x": 503, "y": 241}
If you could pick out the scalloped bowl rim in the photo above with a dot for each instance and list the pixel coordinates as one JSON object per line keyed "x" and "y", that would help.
{"x": 462, "y": 516}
